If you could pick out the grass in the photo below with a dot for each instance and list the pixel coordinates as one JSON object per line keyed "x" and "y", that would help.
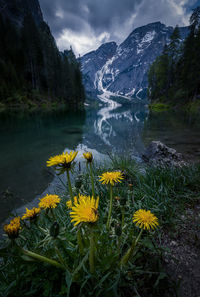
{"x": 193, "y": 107}
{"x": 159, "y": 107}
{"x": 163, "y": 191}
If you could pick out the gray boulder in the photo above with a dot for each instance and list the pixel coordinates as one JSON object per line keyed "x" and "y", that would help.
{"x": 157, "y": 153}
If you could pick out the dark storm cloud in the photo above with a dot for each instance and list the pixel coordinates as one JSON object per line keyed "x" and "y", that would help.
{"x": 75, "y": 14}
{"x": 85, "y": 24}
{"x": 103, "y": 14}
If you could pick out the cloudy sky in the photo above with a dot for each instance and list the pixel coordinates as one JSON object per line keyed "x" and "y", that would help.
{"x": 85, "y": 24}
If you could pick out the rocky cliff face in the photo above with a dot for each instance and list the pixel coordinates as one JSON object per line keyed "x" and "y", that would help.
{"x": 16, "y": 10}
{"x": 122, "y": 70}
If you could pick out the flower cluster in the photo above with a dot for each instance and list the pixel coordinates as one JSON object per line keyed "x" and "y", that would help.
{"x": 85, "y": 210}
{"x": 13, "y": 228}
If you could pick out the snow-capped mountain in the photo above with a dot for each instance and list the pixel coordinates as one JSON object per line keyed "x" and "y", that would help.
{"x": 121, "y": 70}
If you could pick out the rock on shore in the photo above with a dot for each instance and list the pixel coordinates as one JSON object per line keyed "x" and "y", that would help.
{"x": 157, "y": 153}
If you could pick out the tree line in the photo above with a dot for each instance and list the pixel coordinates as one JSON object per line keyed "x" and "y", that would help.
{"x": 175, "y": 75}
{"x": 33, "y": 70}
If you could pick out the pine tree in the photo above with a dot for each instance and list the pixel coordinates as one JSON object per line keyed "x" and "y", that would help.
{"x": 31, "y": 62}
{"x": 179, "y": 76}
{"x": 159, "y": 77}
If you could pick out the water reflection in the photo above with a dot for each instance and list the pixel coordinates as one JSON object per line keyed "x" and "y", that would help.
{"x": 116, "y": 130}
{"x": 177, "y": 129}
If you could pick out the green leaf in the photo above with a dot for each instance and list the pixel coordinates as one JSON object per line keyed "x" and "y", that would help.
{"x": 161, "y": 276}
{"x": 102, "y": 280}
{"x": 148, "y": 243}
{"x": 3, "y": 252}
{"x": 80, "y": 265}
{"x": 68, "y": 280}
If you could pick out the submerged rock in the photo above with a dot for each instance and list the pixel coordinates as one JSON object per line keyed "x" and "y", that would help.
{"x": 157, "y": 153}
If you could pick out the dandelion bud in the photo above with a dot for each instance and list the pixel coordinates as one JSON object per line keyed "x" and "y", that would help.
{"x": 117, "y": 198}
{"x": 88, "y": 156}
{"x": 130, "y": 186}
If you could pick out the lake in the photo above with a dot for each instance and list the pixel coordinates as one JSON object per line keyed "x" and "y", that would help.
{"x": 28, "y": 139}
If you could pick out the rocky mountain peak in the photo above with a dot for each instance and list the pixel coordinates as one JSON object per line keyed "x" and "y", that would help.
{"x": 122, "y": 70}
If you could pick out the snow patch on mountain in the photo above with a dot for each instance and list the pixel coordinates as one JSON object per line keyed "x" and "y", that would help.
{"x": 131, "y": 93}
{"x": 149, "y": 36}
{"x": 121, "y": 70}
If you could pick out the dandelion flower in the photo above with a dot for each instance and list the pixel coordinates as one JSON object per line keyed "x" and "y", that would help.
{"x": 49, "y": 201}
{"x": 144, "y": 219}
{"x": 111, "y": 177}
{"x": 31, "y": 213}
{"x": 85, "y": 210}
{"x": 13, "y": 228}
{"x": 64, "y": 161}
{"x": 76, "y": 200}
{"x": 88, "y": 156}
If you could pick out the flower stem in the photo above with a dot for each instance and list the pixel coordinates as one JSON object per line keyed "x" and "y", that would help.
{"x": 129, "y": 253}
{"x": 91, "y": 255}
{"x": 53, "y": 215}
{"x": 79, "y": 240}
{"x": 92, "y": 179}
{"x": 70, "y": 187}
{"x": 110, "y": 208}
{"x": 41, "y": 258}
{"x": 123, "y": 211}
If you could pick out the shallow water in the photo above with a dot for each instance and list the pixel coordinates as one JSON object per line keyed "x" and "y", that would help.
{"x": 179, "y": 130}
{"x": 27, "y": 140}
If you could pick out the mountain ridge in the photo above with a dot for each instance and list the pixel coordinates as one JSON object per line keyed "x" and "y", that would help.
{"x": 122, "y": 69}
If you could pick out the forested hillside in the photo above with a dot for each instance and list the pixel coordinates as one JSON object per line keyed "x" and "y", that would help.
{"x": 175, "y": 75}
{"x": 32, "y": 70}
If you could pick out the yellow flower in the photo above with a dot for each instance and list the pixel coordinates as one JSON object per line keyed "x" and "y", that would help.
{"x": 88, "y": 156}
{"x": 49, "y": 201}
{"x": 76, "y": 200}
{"x": 12, "y": 229}
{"x": 144, "y": 219}
{"x": 85, "y": 210}
{"x": 111, "y": 177}
{"x": 31, "y": 213}
{"x": 63, "y": 160}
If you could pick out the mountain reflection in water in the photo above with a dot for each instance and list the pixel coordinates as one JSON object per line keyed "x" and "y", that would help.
{"x": 116, "y": 130}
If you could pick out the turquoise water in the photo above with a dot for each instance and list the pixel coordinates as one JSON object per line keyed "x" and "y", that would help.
{"x": 27, "y": 140}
